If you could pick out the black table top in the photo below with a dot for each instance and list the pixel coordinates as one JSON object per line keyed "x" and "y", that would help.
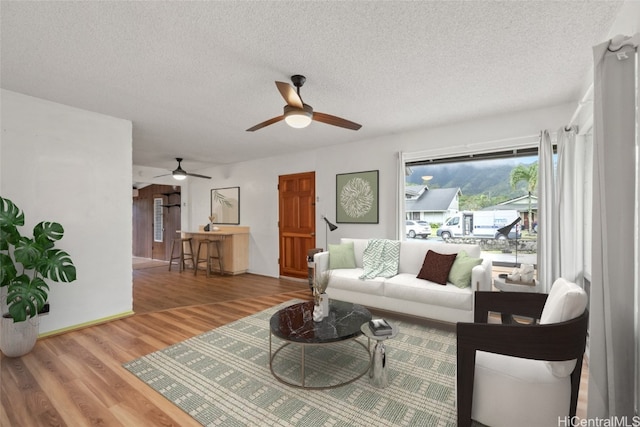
{"x": 295, "y": 323}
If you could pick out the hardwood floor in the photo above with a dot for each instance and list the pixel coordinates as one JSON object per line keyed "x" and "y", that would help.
{"x": 76, "y": 379}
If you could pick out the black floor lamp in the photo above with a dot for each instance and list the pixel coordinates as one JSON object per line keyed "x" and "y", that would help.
{"x": 330, "y": 227}
{"x": 505, "y": 232}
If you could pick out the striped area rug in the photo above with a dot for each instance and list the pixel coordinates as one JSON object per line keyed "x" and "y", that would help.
{"x": 222, "y": 377}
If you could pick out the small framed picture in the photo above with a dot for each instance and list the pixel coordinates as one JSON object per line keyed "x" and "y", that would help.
{"x": 225, "y": 205}
{"x": 357, "y": 197}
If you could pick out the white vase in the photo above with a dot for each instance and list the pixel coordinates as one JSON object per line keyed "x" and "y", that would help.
{"x": 317, "y": 313}
{"x": 18, "y": 338}
{"x": 324, "y": 304}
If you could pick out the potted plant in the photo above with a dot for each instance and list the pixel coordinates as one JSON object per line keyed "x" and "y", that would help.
{"x": 25, "y": 265}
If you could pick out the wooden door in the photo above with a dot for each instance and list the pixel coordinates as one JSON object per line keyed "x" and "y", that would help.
{"x": 144, "y": 221}
{"x": 142, "y": 226}
{"x": 297, "y": 224}
{"x": 171, "y": 220}
{"x": 167, "y": 219}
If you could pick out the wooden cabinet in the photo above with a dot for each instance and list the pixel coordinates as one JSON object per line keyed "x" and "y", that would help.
{"x": 235, "y": 246}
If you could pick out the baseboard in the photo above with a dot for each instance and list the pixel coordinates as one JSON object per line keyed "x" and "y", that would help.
{"x": 86, "y": 324}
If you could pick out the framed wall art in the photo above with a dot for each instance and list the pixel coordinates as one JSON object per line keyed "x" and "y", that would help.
{"x": 357, "y": 197}
{"x": 225, "y": 205}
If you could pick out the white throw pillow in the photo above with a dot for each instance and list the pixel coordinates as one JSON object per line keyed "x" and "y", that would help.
{"x": 566, "y": 301}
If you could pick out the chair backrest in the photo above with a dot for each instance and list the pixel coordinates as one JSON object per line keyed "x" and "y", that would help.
{"x": 566, "y": 301}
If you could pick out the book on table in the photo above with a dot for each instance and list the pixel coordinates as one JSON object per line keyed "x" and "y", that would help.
{"x": 380, "y": 327}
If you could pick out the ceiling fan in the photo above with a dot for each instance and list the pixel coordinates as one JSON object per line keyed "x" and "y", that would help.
{"x": 297, "y": 114}
{"x": 181, "y": 174}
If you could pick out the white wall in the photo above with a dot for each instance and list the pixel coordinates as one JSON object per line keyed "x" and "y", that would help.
{"x": 74, "y": 167}
{"x": 258, "y": 179}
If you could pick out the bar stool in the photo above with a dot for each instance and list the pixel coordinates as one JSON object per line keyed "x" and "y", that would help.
{"x": 181, "y": 255}
{"x": 214, "y": 253}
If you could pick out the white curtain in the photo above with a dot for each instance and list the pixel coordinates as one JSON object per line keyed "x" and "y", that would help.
{"x": 612, "y": 365}
{"x": 560, "y": 212}
{"x": 570, "y": 212}
{"x": 548, "y": 268}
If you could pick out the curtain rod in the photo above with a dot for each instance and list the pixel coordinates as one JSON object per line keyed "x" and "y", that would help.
{"x": 585, "y": 100}
{"x": 477, "y": 147}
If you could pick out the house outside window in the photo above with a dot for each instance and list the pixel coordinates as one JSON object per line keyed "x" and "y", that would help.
{"x": 442, "y": 189}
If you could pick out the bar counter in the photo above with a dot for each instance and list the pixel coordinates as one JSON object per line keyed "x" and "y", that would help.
{"x": 235, "y": 245}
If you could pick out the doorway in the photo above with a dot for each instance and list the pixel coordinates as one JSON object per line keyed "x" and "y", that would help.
{"x": 297, "y": 222}
{"x": 156, "y": 220}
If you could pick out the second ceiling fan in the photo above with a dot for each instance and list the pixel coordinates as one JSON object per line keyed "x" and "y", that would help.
{"x": 181, "y": 174}
{"x": 297, "y": 114}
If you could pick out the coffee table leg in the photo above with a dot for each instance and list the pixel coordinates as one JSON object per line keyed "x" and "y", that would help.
{"x": 302, "y": 364}
{"x": 378, "y": 373}
{"x": 370, "y": 358}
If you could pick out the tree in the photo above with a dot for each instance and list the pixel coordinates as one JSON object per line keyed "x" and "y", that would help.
{"x": 528, "y": 174}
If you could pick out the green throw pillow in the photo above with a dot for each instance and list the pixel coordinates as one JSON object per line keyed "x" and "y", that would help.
{"x": 460, "y": 274}
{"x": 342, "y": 256}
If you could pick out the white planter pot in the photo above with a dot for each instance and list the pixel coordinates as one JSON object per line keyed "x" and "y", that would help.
{"x": 18, "y": 338}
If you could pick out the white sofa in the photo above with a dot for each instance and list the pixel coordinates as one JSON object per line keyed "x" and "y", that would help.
{"x": 404, "y": 292}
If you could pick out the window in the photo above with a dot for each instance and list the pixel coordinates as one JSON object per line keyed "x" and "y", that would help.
{"x": 158, "y": 220}
{"x": 472, "y": 196}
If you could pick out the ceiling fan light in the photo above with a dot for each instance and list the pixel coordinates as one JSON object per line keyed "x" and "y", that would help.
{"x": 298, "y": 118}
{"x": 179, "y": 175}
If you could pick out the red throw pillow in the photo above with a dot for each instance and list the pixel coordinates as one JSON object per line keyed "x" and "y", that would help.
{"x": 436, "y": 267}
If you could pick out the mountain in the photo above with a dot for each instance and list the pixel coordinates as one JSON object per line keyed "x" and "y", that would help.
{"x": 489, "y": 177}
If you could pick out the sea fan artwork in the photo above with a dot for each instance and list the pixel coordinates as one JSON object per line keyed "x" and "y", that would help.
{"x": 357, "y": 197}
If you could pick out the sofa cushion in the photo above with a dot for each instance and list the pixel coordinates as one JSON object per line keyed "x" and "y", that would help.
{"x": 341, "y": 256}
{"x": 566, "y": 301}
{"x": 436, "y": 267}
{"x": 406, "y": 286}
{"x": 460, "y": 274}
{"x": 412, "y": 252}
{"x": 359, "y": 245}
{"x": 349, "y": 279}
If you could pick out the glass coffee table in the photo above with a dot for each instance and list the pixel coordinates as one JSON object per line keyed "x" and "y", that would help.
{"x": 295, "y": 325}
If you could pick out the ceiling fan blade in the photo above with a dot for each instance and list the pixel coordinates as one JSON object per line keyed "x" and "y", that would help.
{"x": 265, "y": 123}
{"x": 289, "y": 94}
{"x": 159, "y": 176}
{"x": 335, "y": 121}
{"x": 198, "y": 176}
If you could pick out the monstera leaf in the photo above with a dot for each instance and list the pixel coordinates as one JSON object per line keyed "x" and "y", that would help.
{"x": 26, "y": 263}
{"x": 11, "y": 217}
{"x": 57, "y": 266}
{"x": 26, "y": 297}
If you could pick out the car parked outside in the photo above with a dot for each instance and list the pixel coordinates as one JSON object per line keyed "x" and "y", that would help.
{"x": 417, "y": 228}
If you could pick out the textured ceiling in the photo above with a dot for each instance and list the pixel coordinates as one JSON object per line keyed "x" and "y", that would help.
{"x": 192, "y": 76}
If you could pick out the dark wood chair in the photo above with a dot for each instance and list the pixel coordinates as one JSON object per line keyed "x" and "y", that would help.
{"x": 545, "y": 342}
